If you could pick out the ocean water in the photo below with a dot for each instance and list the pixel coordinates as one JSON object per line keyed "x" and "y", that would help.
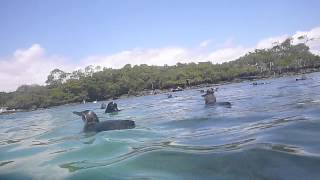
{"x": 272, "y": 131}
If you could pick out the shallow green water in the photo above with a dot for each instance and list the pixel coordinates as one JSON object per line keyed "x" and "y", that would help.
{"x": 272, "y": 131}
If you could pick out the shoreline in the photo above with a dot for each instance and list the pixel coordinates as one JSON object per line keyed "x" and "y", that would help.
{"x": 4, "y": 111}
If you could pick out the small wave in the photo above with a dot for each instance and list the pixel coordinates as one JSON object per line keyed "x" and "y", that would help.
{"x": 5, "y": 163}
{"x": 164, "y": 145}
{"x": 10, "y": 141}
{"x": 281, "y": 148}
{"x": 62, "y": 151}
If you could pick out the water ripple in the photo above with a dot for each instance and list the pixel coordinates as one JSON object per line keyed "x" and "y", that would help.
{"x": 270, "y": 130}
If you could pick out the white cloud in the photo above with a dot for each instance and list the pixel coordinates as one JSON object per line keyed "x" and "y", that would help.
{"x": 28, "y": 66}
{"x": 227, "y": 54}
{"x": 32, "y": 65}
{"x": 160, "y": 56}
{"x": 312, "y": 39}
{"x": 270, "y": 42}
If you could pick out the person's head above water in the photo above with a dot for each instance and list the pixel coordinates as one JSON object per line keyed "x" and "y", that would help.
{"x": 112, "y": 107}
{"x": 210, "y": 91}
{"x": 103, "y": 106}
{"x": 209, "y": 97}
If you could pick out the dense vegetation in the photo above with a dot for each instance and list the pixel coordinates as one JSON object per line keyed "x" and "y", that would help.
{"x": 95, "y": 83}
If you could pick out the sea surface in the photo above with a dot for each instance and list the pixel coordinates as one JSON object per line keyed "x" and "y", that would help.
{"x": 271, "y": 131}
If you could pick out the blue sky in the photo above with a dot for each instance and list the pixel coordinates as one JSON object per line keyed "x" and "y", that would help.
{"x": 78, "y": 28}
{"x": 37, "y": 36}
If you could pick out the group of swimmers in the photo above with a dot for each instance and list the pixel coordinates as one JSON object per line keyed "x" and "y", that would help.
{"x": 92, "y": 123}
{"x": 209, "y": 98}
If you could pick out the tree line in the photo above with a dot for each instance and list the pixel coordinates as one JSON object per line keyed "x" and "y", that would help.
{"x": 97, "y": 83}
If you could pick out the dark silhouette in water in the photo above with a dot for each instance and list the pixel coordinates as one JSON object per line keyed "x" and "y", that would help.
{"x": 210, "y": 99}
{"x": 303, "y": 77}
{"x": 177, "y": 89}
{"x": 92, "y": 123}
{"x": 256, "y": 83}
{"x": 103, "y": 106}
{"x": 112, "y": 107}
{"x": 226, "y": 104}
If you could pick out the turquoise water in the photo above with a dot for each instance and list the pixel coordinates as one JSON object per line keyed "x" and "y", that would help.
{"x": 272, "y": 131}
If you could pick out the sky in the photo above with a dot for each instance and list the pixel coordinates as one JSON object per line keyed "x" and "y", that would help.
{"x": 37, "y": 36}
